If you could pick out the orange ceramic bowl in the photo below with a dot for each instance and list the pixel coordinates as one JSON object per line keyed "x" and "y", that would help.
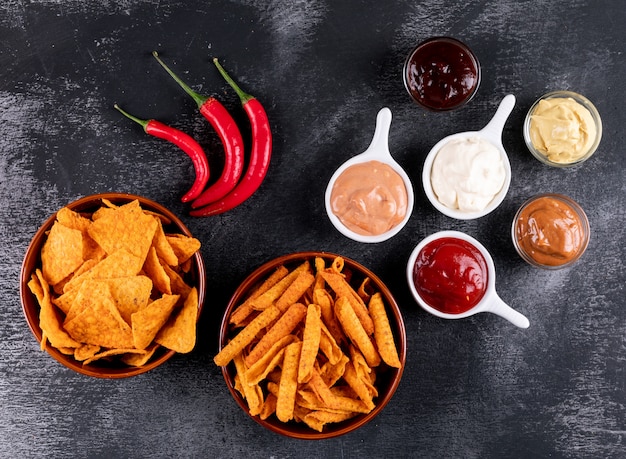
{"x": 387, "y": 379}
{"x": 32, "y": 261}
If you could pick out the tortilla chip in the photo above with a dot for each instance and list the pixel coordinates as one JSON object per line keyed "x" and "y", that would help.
{"x": 331, "y": 373}
{"x": 148, "y": 321}
{"x": 110, "y": 352}
{"x": 62, "y": 253}
{"x": 86, "y": 351}
{"x": 139, "y": 360}
{"x": 74, "y": 220}
{"x": 183, "y": 246}
{"x": 130, "y": 294}
{"x": 64, "y": 302}
{"x": 318, "y": 419}
{"x": 101, "y": 323}
{"x": 177, "y": 283}
{"x": 179, "y": 333}
{"x": 154, "y": 269}
{"x": 117, "y": 264}
{"x": 66, "y": 350}
{"x": 329, "y": 346}
{"x": 126, "y": 228}
{"x": 85, "y": 296}
{"x": 163, "y": 248}
{"x": 49, "y": 319}
{"x": 359, "y": 385}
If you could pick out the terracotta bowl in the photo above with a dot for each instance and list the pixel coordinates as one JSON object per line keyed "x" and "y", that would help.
{"x": 387, "y": 380}
{"x": 32, "y": 260}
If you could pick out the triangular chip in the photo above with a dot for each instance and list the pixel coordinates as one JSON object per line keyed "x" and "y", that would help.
{"x": 149, "y": 320}
{"x": 117, "y": 264}
{"x": 110, "y": 352}
{"x": 108, "y": 204}
{"x": 91, "y": 291}
{"x": 127, "y": 228}
{"x": 184, "y": 246}
{"x": 130, "y": 294}
{"x": 72, "y": 219}
{"x": 179, "y": 287}
{"x": 62, "y": 253}
{"x": 65, "y": 301}
{"x": 179, "y": 333}
{"x": 163, "y": 248}
{"x": 138, "y": 360}
{"x": 101, "y": 324}
{"x": 49, "y": 319}
{"x": 86, "y": 351}
{"x": 154, "y": 269}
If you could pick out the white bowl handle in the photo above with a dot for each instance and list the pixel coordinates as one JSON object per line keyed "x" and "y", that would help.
{"x": 495, "y": 127}
{"x": 500, "y": 308}
{"x": 380, "y": 141}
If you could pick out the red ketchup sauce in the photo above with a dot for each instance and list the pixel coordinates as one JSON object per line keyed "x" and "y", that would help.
{"x": 451, "y": 275}
{"x": 442, "y": 74}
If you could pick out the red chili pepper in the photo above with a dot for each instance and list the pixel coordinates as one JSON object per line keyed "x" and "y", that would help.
{"x": 185, "y": 143}
{"x": 260, "y": 154}
{"x": 229, "y": 134}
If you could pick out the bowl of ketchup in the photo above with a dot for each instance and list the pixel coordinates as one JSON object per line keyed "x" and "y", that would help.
{"x": 441, "y": 73}
{"x": 451, "y": 275}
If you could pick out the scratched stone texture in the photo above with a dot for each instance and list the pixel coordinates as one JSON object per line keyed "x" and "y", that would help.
{"x": 475, "y": 388}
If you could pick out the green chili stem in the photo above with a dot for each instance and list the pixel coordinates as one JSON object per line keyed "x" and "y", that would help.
{"x": 242, "y": 95}
{"x": 200, "y": 100}
{"x": 143, "y": 123}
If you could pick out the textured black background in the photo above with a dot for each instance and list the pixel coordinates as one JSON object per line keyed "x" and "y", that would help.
{"x": 473, "y": 388}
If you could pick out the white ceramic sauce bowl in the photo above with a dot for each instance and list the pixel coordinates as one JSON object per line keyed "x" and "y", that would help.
{"x": 377, "y": 151}
{"x": 490, "y": 301}
{"x": 492, "y": 133}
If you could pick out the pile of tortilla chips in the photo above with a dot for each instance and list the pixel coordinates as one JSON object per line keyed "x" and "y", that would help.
{"x": 112, "y": 284}
{"x": 309, "y": 346}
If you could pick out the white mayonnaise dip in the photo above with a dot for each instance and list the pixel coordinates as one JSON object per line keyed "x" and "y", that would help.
{"x": 467, "y": 174}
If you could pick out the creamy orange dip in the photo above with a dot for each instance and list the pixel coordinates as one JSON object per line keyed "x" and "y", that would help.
{"x": 369, "y": 198}
{"x": 550, "y": 232}
{"x": 562, "y": 129}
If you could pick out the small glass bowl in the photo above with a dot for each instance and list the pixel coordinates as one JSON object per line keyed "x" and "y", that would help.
{"x": 582, "y": 100}
{"x": 565, "y": 201}
{"x": 453, "y": 59}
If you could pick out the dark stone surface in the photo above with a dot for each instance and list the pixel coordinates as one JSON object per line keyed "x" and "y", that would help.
{"x": 472, "y": 388}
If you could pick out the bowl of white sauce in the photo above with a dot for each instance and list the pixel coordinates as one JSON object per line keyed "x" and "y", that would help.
{"x": 467, "y": 175}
